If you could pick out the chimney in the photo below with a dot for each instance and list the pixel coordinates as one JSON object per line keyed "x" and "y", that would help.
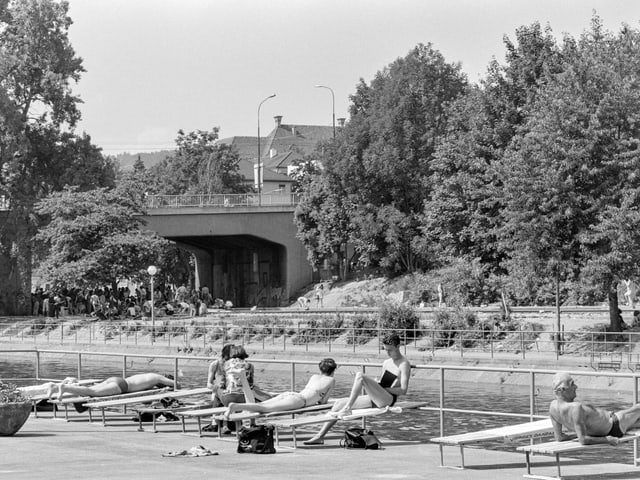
{"x": 341, "y": 122}
{"x": 278, "y": 119}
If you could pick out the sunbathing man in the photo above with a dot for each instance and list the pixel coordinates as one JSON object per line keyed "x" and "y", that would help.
{"x": 592, "y": 425}
{"x": 393, "y": 382}
{"x": 117, "y": 385}
{"x": 314, "y": 393}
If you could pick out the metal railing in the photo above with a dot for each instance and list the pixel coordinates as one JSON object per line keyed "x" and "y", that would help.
{"x": 446, "y": 376}
{"x": 603, "y": 351}
{"x": 223, "y": 200}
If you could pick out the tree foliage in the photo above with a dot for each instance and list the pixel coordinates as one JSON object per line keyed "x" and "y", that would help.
{"x": 39, "y": 151}
{"x": 95, "y": 238}
{"x": 199, "y": 166}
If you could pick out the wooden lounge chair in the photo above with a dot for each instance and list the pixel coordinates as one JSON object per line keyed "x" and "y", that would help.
{"x": 142, "y": 397}
{"x": 509, "y": 434}
{"x": 35, "y": 399}
{"x": 558, "y": 448}
{"x": 67, "y": 400}
{"x": 356, "y": 414}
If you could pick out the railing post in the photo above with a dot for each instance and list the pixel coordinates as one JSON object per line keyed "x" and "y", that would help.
{"x": 441, "y": 401}
{"x": 124, "y": 366}
{"x": 532, "y": 394}
{"x": 37, "y": 365}
{"x": 79, "y": 366}
{"x": 293, "y": 376}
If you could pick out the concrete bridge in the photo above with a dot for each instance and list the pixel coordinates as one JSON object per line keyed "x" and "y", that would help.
{"x": 245, "y": 246}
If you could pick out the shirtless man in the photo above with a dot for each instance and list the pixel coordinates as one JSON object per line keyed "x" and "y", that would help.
{"x": 592, "y": 425}
{"x": 117, "y": 385}
{"x": 381, "y": 393}
{"x": 314, "y": 393}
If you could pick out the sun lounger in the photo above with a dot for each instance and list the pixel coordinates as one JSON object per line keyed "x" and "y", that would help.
{"x": 356, "y": 414}
{"x": 103, "y": 405}
{"x": 216, "y": 414}
{"x": 176, "y": 411}
{"x": 571, "y": 446}
{"x": 35, "y": 399}
{"x": 81, "y": 401}
{"x": 509, "y": 434}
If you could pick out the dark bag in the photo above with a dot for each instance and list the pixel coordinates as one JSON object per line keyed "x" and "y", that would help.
{"x": 256, "y": 439}
{"x": 360, "y": 438}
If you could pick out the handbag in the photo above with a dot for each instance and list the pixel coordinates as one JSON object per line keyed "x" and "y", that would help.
{"x": 256, "y": 439}
{"x": 360, "y": 438}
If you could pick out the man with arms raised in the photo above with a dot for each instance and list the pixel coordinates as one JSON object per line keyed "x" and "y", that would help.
{"x": 592, "y": 425}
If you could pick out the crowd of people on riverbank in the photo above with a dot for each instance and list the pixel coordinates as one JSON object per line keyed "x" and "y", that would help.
{"x": 107, "y": 303}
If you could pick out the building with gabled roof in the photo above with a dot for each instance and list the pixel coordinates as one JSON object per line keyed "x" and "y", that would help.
{"x": 285, "y": 145}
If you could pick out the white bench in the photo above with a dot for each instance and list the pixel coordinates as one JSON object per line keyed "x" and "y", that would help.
{"x": 144, "y": 398}
{"x": 356, "y": 414}
{"x": 509, "y": 433}
{"x": 558, "y": 448}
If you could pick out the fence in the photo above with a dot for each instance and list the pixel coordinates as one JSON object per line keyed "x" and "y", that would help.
{"x": 446, "y": 376}
{"x": 223, "y": 200}
{"x": 604, "y": 351}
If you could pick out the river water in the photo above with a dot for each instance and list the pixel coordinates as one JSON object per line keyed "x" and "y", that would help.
{"x": 418, "y": 425}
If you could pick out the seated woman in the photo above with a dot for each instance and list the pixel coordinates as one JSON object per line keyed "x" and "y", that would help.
{"x": 381, "y": 393}
{"x": 315, "y": 392}
{"x": 117, "y": 385}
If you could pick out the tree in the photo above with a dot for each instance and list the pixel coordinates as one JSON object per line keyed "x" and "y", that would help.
{"x": 95, "y": 238}
{"x": 39, "y": 152}
{"x": 379, "y": 163}
{"x": 199, "y": 166}
{"x": 571, "y": 169}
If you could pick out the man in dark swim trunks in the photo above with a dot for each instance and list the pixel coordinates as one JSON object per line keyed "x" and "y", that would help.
{"x": 591, "y": 425}
{"x": 118, "y": 385}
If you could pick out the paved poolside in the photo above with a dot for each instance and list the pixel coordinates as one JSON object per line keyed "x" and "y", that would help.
{"x": 55, "y": 449}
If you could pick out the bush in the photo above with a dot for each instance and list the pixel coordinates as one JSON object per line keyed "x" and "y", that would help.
{"x": 399, "y": 317}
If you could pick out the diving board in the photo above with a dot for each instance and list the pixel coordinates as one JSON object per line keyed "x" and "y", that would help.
{"x": 570, "y": 446}
{"x": 509, "y": 433}
{"x": 356, "y": 414}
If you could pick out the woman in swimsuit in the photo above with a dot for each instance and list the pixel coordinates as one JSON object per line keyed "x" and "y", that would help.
{"x": 393, "y": 382}
{"x": 118, "y": 385}
{"x": 315, "y": 392}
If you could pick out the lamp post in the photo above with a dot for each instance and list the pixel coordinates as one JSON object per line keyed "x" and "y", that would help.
{"x": 152, "y": 270}
{"x": 259, "y": 157}
{"x": 333, "y": 107}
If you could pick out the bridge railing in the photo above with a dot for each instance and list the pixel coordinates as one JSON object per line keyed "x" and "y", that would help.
{"x": 223, "y": 200}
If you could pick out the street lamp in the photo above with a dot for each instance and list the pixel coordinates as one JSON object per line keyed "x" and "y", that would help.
{"x": 259, "y": 157}
{"x": 152, "y": 270}
{"x": 333, "y": 105}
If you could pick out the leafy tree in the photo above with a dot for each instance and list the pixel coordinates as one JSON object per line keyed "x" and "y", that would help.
{"x": 199, "y": 166}
{"x": 95, "y": 238}
{"x": 463, "y": 213}
{"x": 572, "y": 188}
{"x": 39, "y": 152}
{"x": 378, "y": 165}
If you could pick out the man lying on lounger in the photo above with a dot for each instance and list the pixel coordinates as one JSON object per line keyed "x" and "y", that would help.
{"x": 592, "y": 425}
{"x": 380, "y": 393}
{"x": 116, "y": 385}
{"x": 314, "y": 393}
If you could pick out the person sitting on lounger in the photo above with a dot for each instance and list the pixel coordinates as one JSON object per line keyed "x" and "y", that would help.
{"x": 117, "y": 385}
{"x": 315, "y": 392}
{"x": 592, "y": 425}
{"x": 381, "y": 393}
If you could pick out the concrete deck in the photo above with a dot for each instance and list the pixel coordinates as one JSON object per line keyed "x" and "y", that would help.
{"x": 55, "y": 449}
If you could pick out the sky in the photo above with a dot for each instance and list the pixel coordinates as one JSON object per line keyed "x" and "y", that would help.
{"x": 157, "y": 66}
